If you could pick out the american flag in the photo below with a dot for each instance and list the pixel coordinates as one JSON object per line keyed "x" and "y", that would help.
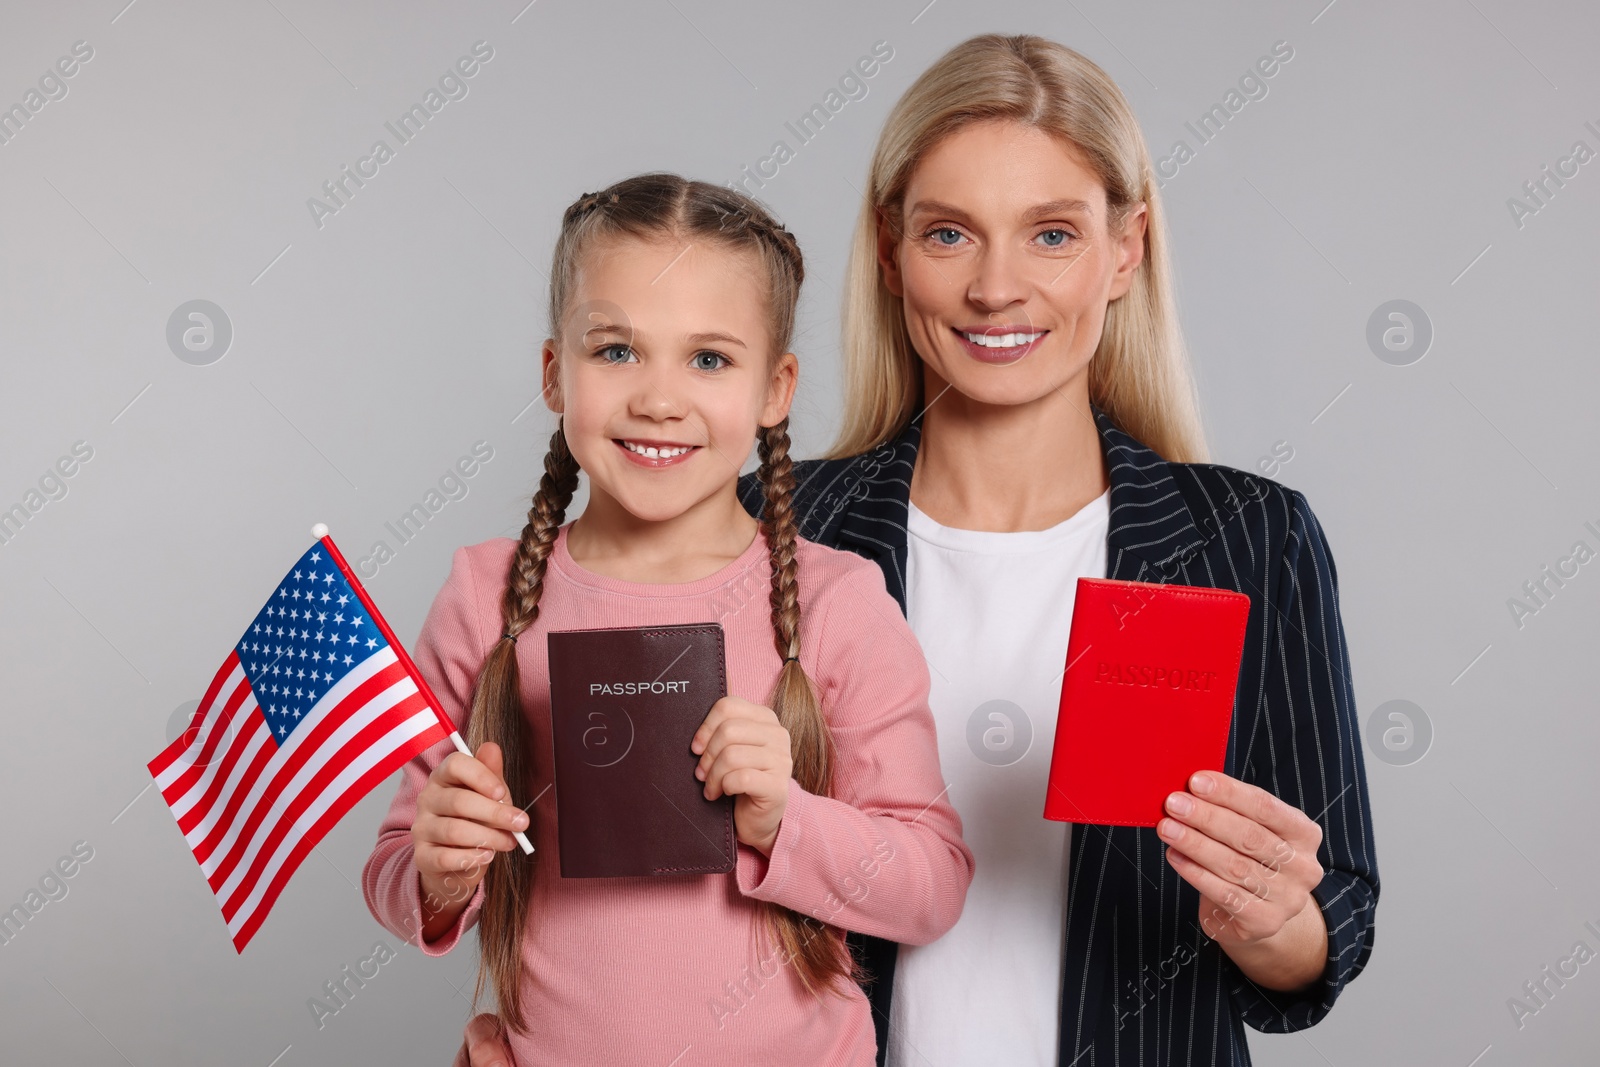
{"x": 315, "y": 705}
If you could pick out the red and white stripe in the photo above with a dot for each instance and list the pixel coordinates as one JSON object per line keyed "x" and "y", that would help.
{"x": 251, "y": 809}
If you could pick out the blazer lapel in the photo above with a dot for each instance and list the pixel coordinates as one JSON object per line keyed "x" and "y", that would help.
{"x": 1151, "y": 529}
{"x": 875, "y": 525}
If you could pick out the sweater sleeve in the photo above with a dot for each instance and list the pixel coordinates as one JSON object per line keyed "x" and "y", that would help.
{"x": 448, "y": 653}
{"x": 884, "y": 855}
{"x": 1310, "y": 693}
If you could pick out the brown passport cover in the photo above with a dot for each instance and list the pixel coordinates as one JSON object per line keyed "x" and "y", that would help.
{"x": 624, "y": 705}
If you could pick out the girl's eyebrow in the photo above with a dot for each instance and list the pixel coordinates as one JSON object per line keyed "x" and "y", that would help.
{"x": 714, "y": 338}
{"x": 693, "y": 338}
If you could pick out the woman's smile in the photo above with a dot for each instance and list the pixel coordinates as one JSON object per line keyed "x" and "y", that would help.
{"x": 999, "y": 344}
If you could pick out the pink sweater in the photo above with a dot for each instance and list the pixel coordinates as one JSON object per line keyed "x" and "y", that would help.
{"x": 680, "y": 970}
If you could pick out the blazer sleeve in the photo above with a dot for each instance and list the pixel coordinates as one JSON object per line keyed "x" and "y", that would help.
{"x": 1315, "y": 763}
{"x": 884, "y": 854}
{"x": 448, "y": 653}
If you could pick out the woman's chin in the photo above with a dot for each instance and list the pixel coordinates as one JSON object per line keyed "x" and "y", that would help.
{"x": 1006, "y": 385}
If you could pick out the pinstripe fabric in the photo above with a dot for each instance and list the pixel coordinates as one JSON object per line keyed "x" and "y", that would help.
{"x": 1142, "y": 984}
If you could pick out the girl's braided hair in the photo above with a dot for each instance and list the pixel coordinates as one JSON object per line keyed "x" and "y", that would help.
{"x": 652, "y": 206}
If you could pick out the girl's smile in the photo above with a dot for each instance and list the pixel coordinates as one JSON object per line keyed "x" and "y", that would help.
{"x": 653, "y": 454}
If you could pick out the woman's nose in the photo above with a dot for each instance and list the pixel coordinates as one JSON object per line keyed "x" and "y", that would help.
{"x": 998, "y": 282}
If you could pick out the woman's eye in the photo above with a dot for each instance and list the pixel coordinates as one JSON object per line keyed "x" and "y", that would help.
{"x": 1055, "y": 238}
{"x": 719, "y": 359}
{"x": 945, "y": 235}
{"x": 606, "y": 351}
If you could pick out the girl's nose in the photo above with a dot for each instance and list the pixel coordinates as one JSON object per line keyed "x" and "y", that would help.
{"x": 653, "y": 399}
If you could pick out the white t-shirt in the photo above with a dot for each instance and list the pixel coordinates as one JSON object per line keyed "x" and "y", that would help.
{"x": 992, "y": 612}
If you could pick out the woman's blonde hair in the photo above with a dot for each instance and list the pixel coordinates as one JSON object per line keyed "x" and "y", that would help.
{"x": 646, "y": 207}
{"x": 1139, "y": 374}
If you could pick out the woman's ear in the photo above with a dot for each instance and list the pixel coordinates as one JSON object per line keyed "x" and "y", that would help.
{"x": 780, "y": 390}
{"x": 550, "y": 373}
{"x": 889, "y": 256}
{"x": 1129, "y": 248}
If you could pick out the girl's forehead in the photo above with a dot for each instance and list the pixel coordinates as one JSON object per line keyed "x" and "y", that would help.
{"x": 671, "y": 286}
{"x": 685, "y": 267}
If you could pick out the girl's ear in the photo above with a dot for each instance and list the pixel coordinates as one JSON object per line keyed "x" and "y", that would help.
{"x": 888, "y": 256}
{"x": 780, "y": 390}
{"x": 550, "y": 372}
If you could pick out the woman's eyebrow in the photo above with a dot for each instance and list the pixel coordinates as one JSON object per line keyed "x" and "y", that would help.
{"x": 937, "y": 207}
{"x": 1038, "y": 211}
{"x": 1059, "y": 207}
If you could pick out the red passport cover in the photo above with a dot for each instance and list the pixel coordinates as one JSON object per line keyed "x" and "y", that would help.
{"x": 1146, "y": 697}
{"x": 624, "y": 704}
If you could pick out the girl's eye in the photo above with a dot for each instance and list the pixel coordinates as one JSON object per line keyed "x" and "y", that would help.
{"x": 699, "y": 357}
{"x": 605, "y": 351}
{"x": 1055, "y": 238}
{"x": 944, "y": 235}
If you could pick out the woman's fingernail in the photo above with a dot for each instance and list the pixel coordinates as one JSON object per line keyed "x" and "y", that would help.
{"x": 1179, "y": 804}
{"x": 700, "y": 773}
{"x": 1203, "y": 783}
{"x": 1170, "y": 829}
{"x": 520, "y": 821}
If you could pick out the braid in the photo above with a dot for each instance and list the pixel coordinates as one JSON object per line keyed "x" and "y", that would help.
{"x": 817, "y": 959}
{"x": 520, "y": 604}
{"x": 767, "y": 229}
{"x": 786, "y": 244}
{"x": 778, "y": 516}
{"x": 497, "y": 716}
{"x": 811, "y": 741}
{"x": 586, "y": 204}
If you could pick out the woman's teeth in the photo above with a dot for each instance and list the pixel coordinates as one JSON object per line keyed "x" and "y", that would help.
{"x": 1001, "y": 340}
{"x": 654, "y": 452}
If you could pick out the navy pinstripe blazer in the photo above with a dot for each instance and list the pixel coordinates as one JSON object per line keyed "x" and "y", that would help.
{"x": 1142, "y": 983}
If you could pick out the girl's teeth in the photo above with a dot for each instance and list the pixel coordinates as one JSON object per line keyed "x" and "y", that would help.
{"x": 653, "y": 452}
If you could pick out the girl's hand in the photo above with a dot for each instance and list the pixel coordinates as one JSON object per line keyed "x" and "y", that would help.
{"x": 744, "y": 751}
{"x": 484, "y": 1044}
{"x": 464, "y": 816}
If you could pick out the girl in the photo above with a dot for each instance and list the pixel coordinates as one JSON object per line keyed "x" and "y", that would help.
{"x": 672, "y": 305}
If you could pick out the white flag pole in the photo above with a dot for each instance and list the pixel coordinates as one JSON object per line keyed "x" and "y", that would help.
{"x": 522, "y": 838}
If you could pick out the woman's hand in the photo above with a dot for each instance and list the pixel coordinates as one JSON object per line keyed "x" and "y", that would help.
{"x": 1254, "y": 859}
{"x": 464, "y": 816}
{"x": 744, "y": 751}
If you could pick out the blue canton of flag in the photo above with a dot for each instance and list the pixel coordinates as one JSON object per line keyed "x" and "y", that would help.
{"x": 307, "y": 637}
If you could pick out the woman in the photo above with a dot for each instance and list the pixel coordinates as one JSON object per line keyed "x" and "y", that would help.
{"x": 1020, "y": 414}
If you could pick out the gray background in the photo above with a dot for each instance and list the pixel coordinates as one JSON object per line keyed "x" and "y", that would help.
{"x": 370, "y": 353}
